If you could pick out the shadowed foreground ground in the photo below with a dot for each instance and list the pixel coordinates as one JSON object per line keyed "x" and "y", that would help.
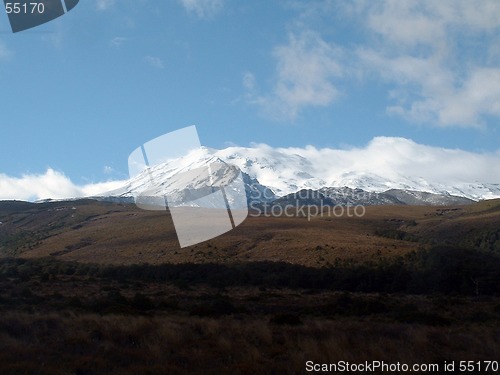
{"x": 100, "y": 288}
{"x": 113, "y": 344}
{"x": 265, "y": 318}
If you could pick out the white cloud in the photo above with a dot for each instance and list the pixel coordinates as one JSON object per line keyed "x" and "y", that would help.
{"x": 440, "y": 59}
{"x": 249, "y": 81}
{"x": 51, "y": 184}
{"x": 105, "y": 4}
{"x": 395, "y": 161}
{"x": 55, "y": 39}
{"x": 108, "y": 170}
{"x": 154, "y": 61}
{"x": 392, "y": 157}
{"x": 479, "y": 95}
{"x": 117, "y": 41}
{"x": 5, "y": 52}
{"x": 438, "y": 55}
{"x": 203, "y": 8}
{"x": 101, "y": 188}
{"x": 306, "y": 69}
{"x": 384, "y": 163}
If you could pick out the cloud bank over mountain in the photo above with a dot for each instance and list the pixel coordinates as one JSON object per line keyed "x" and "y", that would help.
{"x": 384, "y": 163}
{"x": 49, "y": 185}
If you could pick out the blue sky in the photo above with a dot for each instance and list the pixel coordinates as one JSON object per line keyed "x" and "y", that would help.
{"x": 80, "y": 93}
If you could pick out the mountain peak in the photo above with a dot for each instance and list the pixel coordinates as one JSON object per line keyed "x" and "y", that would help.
{"x": 285, "y": 171}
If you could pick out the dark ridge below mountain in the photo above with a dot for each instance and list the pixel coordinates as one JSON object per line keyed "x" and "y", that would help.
{"x": 344, "y": 196}
{"x": 412, "y": 197}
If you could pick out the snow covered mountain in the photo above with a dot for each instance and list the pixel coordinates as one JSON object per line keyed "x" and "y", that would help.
{"x": 286, "y": 172}
{"x": 270, "y": 173}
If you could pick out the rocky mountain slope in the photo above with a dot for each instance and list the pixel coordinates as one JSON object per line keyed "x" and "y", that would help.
{"x": 272, "y": 175}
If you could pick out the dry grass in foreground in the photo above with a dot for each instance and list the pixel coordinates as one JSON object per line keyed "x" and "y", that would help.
{"x": 92, "y": 344}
